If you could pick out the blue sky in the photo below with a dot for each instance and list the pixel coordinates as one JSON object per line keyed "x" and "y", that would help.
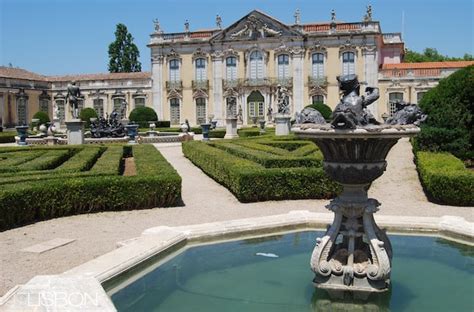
{"x": 55, "y": 37}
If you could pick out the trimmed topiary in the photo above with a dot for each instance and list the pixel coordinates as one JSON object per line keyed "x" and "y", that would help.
{"x": 143, "y": 115}
{"x": 86, "y": 115}
{"x": 323, "y": 109}
{"x": 42, "y": 116}
{"x": 449, "y": 106}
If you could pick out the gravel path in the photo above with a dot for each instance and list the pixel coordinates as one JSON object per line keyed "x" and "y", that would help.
{"x": 204, "y": 201}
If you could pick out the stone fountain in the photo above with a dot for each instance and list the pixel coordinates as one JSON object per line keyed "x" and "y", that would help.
{"x": 354, "y": 254}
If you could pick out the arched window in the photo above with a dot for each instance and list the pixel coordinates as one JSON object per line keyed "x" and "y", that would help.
{"x": 318, "y": 98}
{"x": 256, "y": 65}
{"x": 98, "y": 105}
{"x": 393, "y": 98}
{"x": 174, "y": 111}
{"x": 200, "y": 111}
{"x": 231, "y": 68}
{"x": 283, "y": 66}
{"x": 348, "y": 63}
{"x": 174, "y": 70}
{"x": 201, "y": 73}
{"x": 317, "y": 59}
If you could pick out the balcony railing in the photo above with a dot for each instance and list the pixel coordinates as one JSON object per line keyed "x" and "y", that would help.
{"x": 284, "y": 82}
{"x": 231, "y": 83}
{"x": 257, "y": 82}
{"x": 200, "y": 84}
{"x": 317, "y": 81}
{"x": 174, "y": 85}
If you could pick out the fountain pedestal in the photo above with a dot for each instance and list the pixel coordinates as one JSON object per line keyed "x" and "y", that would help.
{"x": 354, "y": 254}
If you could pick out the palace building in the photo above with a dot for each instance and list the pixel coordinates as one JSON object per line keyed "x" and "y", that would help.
{"x": 194, "y": 74}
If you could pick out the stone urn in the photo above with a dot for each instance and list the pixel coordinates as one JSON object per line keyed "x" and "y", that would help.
{"x": 262, "y": 126}
{"x": 205, "y": 131}
{"x": 354, "y": 254}
{"x": 132, "y": 130}
{"x": 22, "y": 134}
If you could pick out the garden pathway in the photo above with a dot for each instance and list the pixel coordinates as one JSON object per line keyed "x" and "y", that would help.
{"x": 204, "y": 201}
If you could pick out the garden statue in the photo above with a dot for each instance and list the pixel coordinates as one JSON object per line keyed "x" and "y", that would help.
{"x": 310, "y": 115}
{"x": 405, "y": 114}
{"x": 73, "y": 95}
{"x": 282, "y": 100}
{"x": 240, "y": 115}
{"x": 352, "y": 110}
{"x": 231, "y": 107}
{"x": 269, "y": 113}
{"x": 107, "y": 127}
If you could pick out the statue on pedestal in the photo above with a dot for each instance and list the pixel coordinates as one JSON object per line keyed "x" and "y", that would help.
{"x": 282, "y": 100}
{"x": 73, "y": 95}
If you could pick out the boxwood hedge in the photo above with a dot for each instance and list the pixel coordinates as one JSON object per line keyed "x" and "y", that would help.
{"x": 445, "y": 178}
{"x": 254, "y": 175}
{"x": 88, "y": 180}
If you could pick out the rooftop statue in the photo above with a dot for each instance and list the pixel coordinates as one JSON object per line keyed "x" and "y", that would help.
{"x": 73, "y": 95}
{"x": 352, "y": 109}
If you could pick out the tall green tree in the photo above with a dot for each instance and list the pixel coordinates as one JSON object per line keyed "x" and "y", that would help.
{"x": 432, "y": 55}
{"x": 123, "y": 53}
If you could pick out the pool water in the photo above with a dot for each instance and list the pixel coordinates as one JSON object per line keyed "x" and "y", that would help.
{"x": 428, "y": 274}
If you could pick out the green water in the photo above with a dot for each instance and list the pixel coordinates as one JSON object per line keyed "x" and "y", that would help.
{"x": 429, "y": 274}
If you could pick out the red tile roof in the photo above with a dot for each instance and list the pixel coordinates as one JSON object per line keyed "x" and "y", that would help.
{"x": 18, "y": 73}
{"x": 102, "y": 76}
{"x": 428, "y": 65}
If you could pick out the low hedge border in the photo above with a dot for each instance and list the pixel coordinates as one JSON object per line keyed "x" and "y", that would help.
{"x": 7, "y": 137}
{"x": 156, "y": 184}
{"x": 445, "y": 178}
{"x": 250, "y": 181}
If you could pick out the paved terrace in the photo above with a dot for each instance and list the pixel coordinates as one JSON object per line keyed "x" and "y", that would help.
{"x": 398, "y": 189}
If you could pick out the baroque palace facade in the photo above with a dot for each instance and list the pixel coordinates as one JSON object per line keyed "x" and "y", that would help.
{"x": 196, "y": 73}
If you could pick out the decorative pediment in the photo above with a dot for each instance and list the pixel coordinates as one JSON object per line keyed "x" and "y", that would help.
{"x": 318, "y": 48}
{"x": 230, "y": 52}
{"x": 199, "y": 54}
{"x": 199, "y": 94}
{"x": 347, "y": 46}
{"x": 282, "y": 49}
{"x": 173, "y": 55}
{"x": 317, "y": 90}
{"x": 174, "y": 94}
{"x": 231, "y": 92}
{"x": 97, "y": 93}
{"x": 254, "y": 26}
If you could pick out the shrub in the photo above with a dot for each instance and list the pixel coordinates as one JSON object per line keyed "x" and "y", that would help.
{"x": 142, "y": 116}
{"x": 71, "y": 188}
{"x": 7, "y": 137}
{"x": 323, "y": 109}
{"x": 86, "y": 115}
{"x": 250, "y": 181}
{"x": 449, "y": 126}
{"x": 42, "y": 116}
{"x": 445, "y": 178}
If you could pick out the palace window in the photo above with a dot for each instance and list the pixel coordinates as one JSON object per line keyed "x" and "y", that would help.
{"x": 419, "y": 96}
{"x": 348, "y": 63}
{"x": 139, "y": 102}
{"x": 318, "y": 98}
{"x": 44, "y": 104}
{"x": 201, "y": 74}
{"x": 22, "y": 110}
{"x": 231, "y": 68}
{"x": 283, "y": 66}
{"x": 61, "y": 109}
{"x": 393, "y": 98}
{"x": 200, "y": 111}
{"x": 317, "y": 60}
{"x": 174, "y": 70}
{"x": 98, "y": 105}
{"x": 174, "y": 111}
{"x": 256, "y": 65}
{"x": 119, "y": 106}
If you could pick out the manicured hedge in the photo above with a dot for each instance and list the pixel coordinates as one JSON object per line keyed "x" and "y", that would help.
{"x": 445, "y": 178}
{"x": 7, "y": 137}
{"x": 70, "y": 188}
{"x": 250, "y": 181}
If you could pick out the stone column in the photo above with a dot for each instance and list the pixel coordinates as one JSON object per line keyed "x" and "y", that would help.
{"x": 157, "y": 84}
{"x": 369, "y": 54}
{"x": 231, "y": 128}
{"x": 217, "y": 86}
{"x": 298, "y": 80}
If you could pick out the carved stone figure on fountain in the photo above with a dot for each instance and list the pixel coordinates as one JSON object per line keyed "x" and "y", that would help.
{"x": 108, "y": 127}
{"x": 73, "y": 95}
{"x": 310, "y": 115}
{"x": 282, "y": 100}
{"x": 352, "y": 109}
{"x": 406, "y": 114}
